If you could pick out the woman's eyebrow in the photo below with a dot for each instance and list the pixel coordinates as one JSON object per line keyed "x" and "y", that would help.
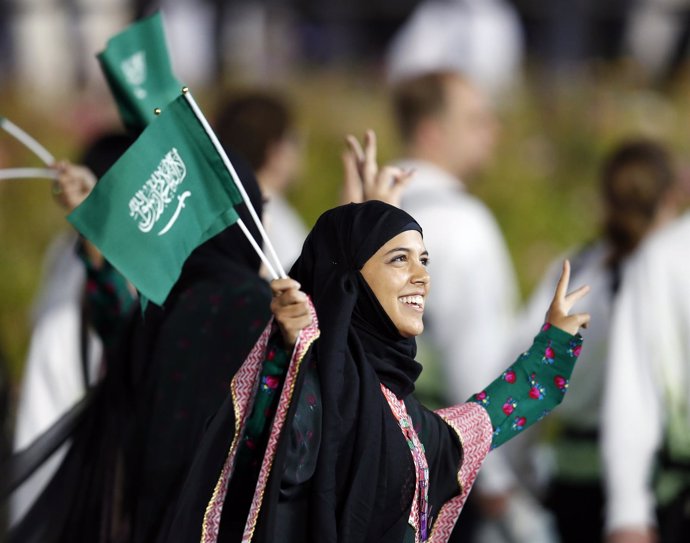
{"x": 406, "y": 250}
{"x": 403, "y": 249}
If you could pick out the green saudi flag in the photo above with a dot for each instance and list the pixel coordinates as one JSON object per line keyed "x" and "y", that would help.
{"x": 138, "y": 71}
{"x": 165, "y": 196}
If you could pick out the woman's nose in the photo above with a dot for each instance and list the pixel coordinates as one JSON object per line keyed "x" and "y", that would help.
{"x": 421, "y": 274}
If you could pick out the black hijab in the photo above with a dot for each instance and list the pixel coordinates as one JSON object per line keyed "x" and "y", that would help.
{"x": 356, "y": 491}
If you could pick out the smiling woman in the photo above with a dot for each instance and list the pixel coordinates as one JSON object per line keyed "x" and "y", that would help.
{"x": 329, "y": 442}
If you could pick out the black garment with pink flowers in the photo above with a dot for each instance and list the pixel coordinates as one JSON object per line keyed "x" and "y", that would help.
{"x": 253, "y": 443}
{"x": 535, "y": 384}
{"x": 108, "y": 298}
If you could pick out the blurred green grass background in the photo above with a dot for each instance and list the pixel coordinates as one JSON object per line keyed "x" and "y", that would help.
{"x": 541, "y": 185}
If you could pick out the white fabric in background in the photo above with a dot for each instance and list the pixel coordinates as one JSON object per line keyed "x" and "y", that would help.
{"x": 470, "y": 309}
{"x": 648, "y": 371}
{"x": 581, "y": 407}
{"x": 481, "y": 38}
{"x": 285, "y": 229}
{"x": 52, "y": 381}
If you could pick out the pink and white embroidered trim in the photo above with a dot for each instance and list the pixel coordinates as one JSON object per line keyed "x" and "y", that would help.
{"x": 243, "y": 387}
{"x": 419, "y": 513}
{"x": 473, "y": 426}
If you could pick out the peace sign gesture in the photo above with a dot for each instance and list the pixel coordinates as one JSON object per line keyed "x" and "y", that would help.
{"x": 364, "y": 180}
{"x": 562, "y": 303}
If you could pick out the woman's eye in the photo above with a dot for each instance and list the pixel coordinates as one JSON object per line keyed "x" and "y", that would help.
{"x": 425, "y": 262}
{"x": 399, "y": 258}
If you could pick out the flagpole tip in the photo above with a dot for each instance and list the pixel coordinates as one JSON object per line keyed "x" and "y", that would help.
{"x": 157, "y": 111}
{"x": 185, "y": 90}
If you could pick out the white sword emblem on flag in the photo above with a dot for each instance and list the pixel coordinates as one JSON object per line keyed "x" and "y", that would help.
{"x": 180, "y": 204}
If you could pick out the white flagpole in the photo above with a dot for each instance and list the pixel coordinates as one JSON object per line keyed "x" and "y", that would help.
{"x": 214, "y": 139}
{"x": 258, "y": 250}
{"x": 38, "y": 149}
{"x": 27, "y": 173}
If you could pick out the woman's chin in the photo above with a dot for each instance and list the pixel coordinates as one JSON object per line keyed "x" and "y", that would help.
{"x": 412, "y": 330}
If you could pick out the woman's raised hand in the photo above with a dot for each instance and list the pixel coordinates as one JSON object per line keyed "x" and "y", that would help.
{"x": 562, "y": 303}
{"x": 290, "y": 308}
{"x": 73, "y": 184}
{"x": 364, "y": 180}
{"x": 71, "y": 187}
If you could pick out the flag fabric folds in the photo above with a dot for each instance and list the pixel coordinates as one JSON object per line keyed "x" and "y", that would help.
{"x": 165, "y": 196}
{"x": 138, "y": 71}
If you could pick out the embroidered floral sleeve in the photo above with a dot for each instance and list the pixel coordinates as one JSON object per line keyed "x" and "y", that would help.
{"x": 535, "y": 384}
{"x": 108, "y": 298}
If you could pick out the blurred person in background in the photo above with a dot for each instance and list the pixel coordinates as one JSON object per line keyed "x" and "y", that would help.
{"x": 259, "y": 126}
{"x": 646, "y": 407}
{"x": 480, "y": 38}
{"x": 62, "y": 34}
{"x": 658, "y": 35}
{"x": 639, "y": 193}
{"x": 65, "y": 354}
{"x": 449, "y": 132}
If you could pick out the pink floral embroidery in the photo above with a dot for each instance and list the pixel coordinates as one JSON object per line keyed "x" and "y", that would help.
{"x": 482, "y": 398}
{"x": 519, "y": 423}
{"x": 509, "y": 406}
{"x": 561, "y": 383}
{"x": 271, "y": 382}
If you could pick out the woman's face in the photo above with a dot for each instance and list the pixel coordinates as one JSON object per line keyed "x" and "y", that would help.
{"x": 397, "y": 274}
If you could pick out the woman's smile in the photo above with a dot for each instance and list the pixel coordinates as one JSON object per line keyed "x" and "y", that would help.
{"x": 414, "y": 302}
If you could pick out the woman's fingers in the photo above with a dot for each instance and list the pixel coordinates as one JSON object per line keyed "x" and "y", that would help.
{"x": 576, "y": 295}
{"x": 370, "y": 168}
{"x": 389, "y": 185}
{"x": 291, "y": 298}
{"x": 563, "y": 281}
{"x": 352, "y": 182}
{"x": 355, "y": 147}
{"x": 562, "y": 303}
{"x": 278, "y": 286}
{"x": 364, "y": 180}
{"x": 73, "y": 184}
{"x": 582, "y": 319}
{"x": 291, "y": 308}
{"x": 366, "y": 156}
{"x": 360, "y": 158}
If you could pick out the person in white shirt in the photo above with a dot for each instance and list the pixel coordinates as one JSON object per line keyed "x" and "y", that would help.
{"x": 638, "y": 191}
{"x": 65, "y": 354}
{"x": 449, "y": 133}
{"x": 481, "y": 38}
{"x": 656, "y": 37}
{"x": 259, "y": 127}
{"x": 646, "y": 409}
